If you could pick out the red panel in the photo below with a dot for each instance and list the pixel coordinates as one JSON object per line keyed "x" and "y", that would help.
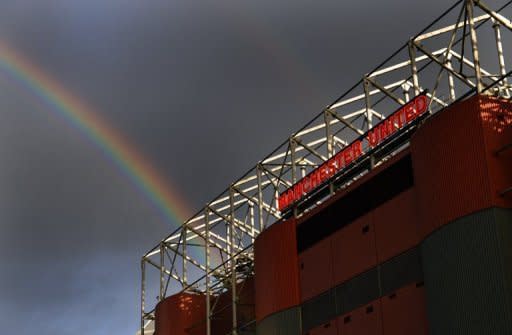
{"x": 496, "y": 116}
{"x": 396, "y": 225}
{"x": 366, "y": 320}
{"x": 196, "y": 329}
{"x": 246, "y": 302}
{"x": 450, "y": 171}
{"x": 315, "y": 266}
{"x": 354, "y": 249}
{"x": 328, "y": 328}
{"x": 222, "y": 313}
{"x": 404, "y": 312}
{"x": 222, "y": 322}
{"x": 276, "y": 268}
{"x": 177, "y": 313}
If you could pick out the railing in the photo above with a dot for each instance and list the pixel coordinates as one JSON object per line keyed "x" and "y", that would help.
{"x": 458, "y": 54}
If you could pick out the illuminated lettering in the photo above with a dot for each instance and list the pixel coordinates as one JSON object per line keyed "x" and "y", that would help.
{"x": 357, "y": 149}
{"x": 373, "y": 137}
{"x": 421, "y": 104}
{"x": 410, "y": 113}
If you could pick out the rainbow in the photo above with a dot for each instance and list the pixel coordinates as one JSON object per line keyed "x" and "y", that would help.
{"x": 80, "y": 116}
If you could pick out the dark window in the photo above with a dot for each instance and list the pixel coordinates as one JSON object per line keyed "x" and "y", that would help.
{"x": 373, "y": 193}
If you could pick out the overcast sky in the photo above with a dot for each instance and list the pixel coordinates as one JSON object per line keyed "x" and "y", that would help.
{"x": 203, "y": 89}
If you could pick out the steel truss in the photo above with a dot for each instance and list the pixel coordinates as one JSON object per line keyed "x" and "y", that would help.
{"x": 460, "y": 53}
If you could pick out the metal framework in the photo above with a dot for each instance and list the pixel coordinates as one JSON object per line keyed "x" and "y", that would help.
{"x": 458, "y": 54}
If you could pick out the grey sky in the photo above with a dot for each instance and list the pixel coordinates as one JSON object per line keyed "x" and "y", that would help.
{"x": 203, "y": 88}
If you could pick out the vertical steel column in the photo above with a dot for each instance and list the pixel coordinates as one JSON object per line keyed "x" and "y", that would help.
{"x": 501, "y": 58}
{"x": 229, "y": 227}
{"x": 184, "y": 257}
{"x": 142, "y": 294}
{"x": 451, "y": 84}
{"x": 474, "y": 45}
{"x": 233, "y": 260}
{"x": 328, "y": 135}
{"x": 251, "y": 219}
{"x": 207, "y": 261}
{"x": 162, "y": 272}
{"x": 366, "y": 87}
{"x": 293, "y": 145}
{"x": 414, "y": 68}
{"x": 329, "y": 141}
{"x": 260, "y": 196}
{"x": 292, "y": 158}
{"x": 405, "y": 91}
{"x": 276, "y": 195}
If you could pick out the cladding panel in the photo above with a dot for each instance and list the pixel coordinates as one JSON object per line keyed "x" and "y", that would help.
{"x": 318, "y": 310}
{"x": 450, "y": 182}
{"x": 328, "y": 328}
{"x": 316, "y": 272}
{"x": 496, "y": 118}
{"x": 456, "y": 165}
{"x": 357, "y": 291}
{"x": 222, "y": 312}
{"x": 286, "y": 322}
{"x": 404, "y": 312}
{"x": 365, "y": 320}
{"x": 467, "y": 266}
{"x": 400, "y": 271}
{"x": 177, "y": 313}
{"x": 354, "y": 249}
{"x": 396, "y": 225}
{"x": 276, "y": 268}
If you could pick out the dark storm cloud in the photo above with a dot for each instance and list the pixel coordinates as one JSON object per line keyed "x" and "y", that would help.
{"x": 204, "y": 89}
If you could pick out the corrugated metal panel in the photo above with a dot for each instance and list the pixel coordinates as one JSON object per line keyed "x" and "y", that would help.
{"x": 504, "y": 232}
{"x": 396, "y": 225}
{"x": 467, "y": 271}
{"x": 328, "y": 328}
{"x": 179, "y": 312}
{"x": 496, "y": 117}
{"x": 366, "y": 320}
{"x": 400, "y": 271}
{"x": 276, "y": 269}
{"x": 404, "y": 312}
{"x": 285, "y": 322}
{"x": 357, "y": 291}
{"x": 318, "y": 310}
{"x": 197, "y": 328}
{"x": 450, "y": 171}
{"x": 268, "y": 325}
{"x": 222, "y": 314}
{"x": 315, "y": 266}
{"x": 354, "y": 249}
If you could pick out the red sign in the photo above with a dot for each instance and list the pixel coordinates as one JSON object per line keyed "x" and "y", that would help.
{"x": 375, "y": 136}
